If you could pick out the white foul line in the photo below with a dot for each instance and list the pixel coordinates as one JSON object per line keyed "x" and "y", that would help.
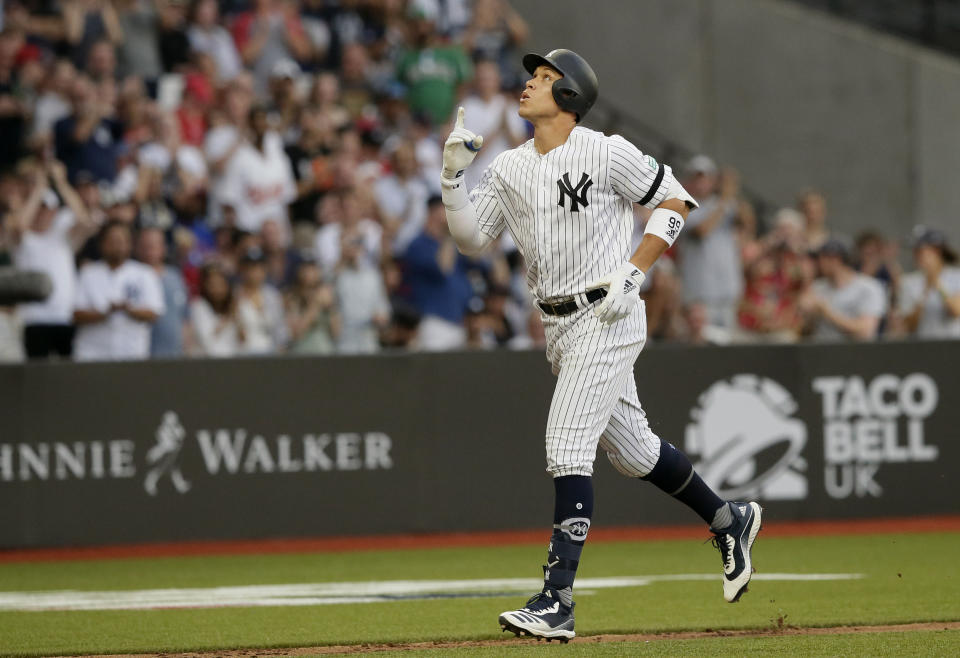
{"x": 337, "y": 593}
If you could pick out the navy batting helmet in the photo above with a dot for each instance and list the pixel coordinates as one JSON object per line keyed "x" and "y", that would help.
{"x": 577, "y": 91}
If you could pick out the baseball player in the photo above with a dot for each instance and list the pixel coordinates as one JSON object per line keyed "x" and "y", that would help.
{"x": 566, "y": 197}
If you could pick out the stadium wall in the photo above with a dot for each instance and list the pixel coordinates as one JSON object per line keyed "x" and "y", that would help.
{"x": 791, "y": 96}
{"x": 94, "y": 454}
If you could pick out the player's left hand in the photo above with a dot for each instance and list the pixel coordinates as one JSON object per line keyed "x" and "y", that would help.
{"x": 623, "y": 292}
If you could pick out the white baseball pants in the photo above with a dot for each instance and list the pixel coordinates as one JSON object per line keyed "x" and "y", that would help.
{"x": 595, "y": 401}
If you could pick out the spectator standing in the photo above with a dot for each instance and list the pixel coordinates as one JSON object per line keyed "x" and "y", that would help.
{"x": 432, "y": 70}
{"x": 494, "y": 31}
{"x": 89, "y": 139}
{"x": 206, "y": 35}
{"x": 259, "y": 307}
{"x": 768, "y": 310}
{"x": 183, "y": 167}
{"x": 167, "y": 334}
{"x": 436, "y": 274}
{"x": 269, "y": 32}
{"x": 118, "y": 300}
{"x": 325, "y": 97}
{"x": 312, "y": 165}
{"x": 356, "y": 88}
{"x": 213, "y": 316}
{"x": 139, "y": 53}
{"x": 285, "y": 100}
{"x": 930, "y": 296}
{"x": 101, "y": 64}
{"x": 223, "y": 141}
{"x": 311, "y": 312}
{"x": 876, "y": 257}
{"x": 172, "y": 35}
{"x": 711, "y": 269}
{"x": 843, "y": 304}
{"x": 52, "y": 104}
{"x": 362, "y": 298}
{"x": 87, "y": 21}
{"x": 495, "y": 117}
{"x": 341, "y": 215}
{"x": 401, "y": 198}
{"x": 429, "y": 151}
{"x": 45, "y": 236}
{"x": 280, "y": 260}
{"x": 259, "y": 180}
{"x": 198, "y": 95}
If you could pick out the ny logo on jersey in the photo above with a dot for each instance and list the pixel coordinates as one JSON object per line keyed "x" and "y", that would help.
{"x": 578, "y": 194}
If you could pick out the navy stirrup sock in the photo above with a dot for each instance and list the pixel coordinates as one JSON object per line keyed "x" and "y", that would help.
{"x": 674, "y": 474}
{"x": 571, "y": 522}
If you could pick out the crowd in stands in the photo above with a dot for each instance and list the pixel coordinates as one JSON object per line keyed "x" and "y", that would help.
{"x": 238, "y": 177}
{"x": 730, "y": 282}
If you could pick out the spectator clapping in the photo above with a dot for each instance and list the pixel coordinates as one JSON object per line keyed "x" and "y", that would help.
{"x": 274, "y": 164}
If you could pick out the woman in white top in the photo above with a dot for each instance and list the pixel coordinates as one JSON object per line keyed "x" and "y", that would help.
{"x": 260, "y": 313}
{"x": 213, "y": 316}
{"x": 930, "y": 296}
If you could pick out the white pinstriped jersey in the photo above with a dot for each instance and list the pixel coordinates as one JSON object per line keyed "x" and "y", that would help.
{"x": 569, "y": 210}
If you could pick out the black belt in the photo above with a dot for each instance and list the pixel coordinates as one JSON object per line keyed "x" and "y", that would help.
{"x": 569, "y": 306}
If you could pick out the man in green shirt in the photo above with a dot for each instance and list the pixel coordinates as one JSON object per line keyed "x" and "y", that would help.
{"x": 432, "y": 70}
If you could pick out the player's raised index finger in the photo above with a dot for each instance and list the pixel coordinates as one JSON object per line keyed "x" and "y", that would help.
{"x": 459, "y": 123}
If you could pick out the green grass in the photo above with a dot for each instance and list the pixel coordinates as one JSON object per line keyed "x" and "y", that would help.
{"x": 910, "y": 578}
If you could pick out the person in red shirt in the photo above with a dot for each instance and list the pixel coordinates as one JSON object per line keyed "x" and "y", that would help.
{"x": 192, "y": 113}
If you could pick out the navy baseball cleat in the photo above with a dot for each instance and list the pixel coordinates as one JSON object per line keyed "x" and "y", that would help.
{"x": 734, "y": 545}
{"x": 544, "y": 616}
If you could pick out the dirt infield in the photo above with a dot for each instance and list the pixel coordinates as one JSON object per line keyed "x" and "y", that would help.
{"x": 771, "y": 528}
{"x": 589, "y": 639}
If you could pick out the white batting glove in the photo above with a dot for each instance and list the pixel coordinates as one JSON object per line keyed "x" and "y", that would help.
{"x": 623, "y": 292}
{"x": 460, "y": 149}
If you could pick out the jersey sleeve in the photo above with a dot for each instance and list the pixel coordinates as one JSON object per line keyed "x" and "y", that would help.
{"x": 485, "y": 198}
{"x": 634, "y": 176}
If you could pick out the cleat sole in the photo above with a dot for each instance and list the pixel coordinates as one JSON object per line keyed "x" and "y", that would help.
{"x": 506, "y": 625}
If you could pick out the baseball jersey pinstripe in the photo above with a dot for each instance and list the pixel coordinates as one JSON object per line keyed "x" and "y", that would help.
{"x": 569, "y": 210}
{"x": 570, "y": 213}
